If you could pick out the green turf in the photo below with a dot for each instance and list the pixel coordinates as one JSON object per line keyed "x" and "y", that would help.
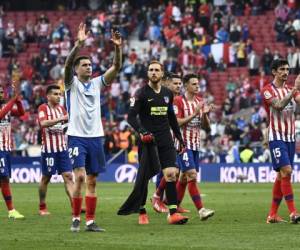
{"x": 239, "y": 222}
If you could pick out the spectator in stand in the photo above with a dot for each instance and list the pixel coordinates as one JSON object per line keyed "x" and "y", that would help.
{"x": 282, "y": 11}
{"x": 221, "y": 65}
{"x": 290, "y": 34}
{"x": 253, "y": 63}
{"x": 296, "y": 62}
{"x": 267, "y": 58}
{"x": 222, "y": 35}
{"x": 276, "y": 55}
{"x": 241, "y": 54}
{"x": 289, "y": 57}
{"x": 261, "y": 81}
{"x": 210, "y": 63}
{"x": 279, "y": 28}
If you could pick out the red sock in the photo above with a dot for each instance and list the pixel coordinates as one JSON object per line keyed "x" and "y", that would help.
{"x": 180, "y": 186}
{"x": 277, "y": 197}
{"x": 161, "y": 187}
{"x": 77, "y": 201}
{"x": 287, "y": 191}
{"x": 43, "y": 206}
{"x": 195, "y": 193}
{"x": 5, "y": 189}
{"x": 90, "y": 203}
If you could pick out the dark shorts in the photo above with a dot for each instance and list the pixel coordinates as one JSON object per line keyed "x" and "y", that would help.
{"x": 188, "y": 160}
{"x": 167, "y": 156}
{"x": 56, "y": 162}
{"x": 5, "y": 164}
{"x": 282, "y": 154}
{"x": 88, "y": 153}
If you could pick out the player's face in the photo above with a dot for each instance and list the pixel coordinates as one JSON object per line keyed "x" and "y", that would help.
{"x": 282, "y": 72}
{"x": 155, "y": 73}
{"x": 54, "y": 96}
{"x": 175, "y": 86}
{"x": 192, "y": 86}
{"x": 84, "y": 69}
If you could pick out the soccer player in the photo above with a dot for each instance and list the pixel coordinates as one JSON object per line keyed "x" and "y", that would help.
{"x": 153, "y": 105}
{"x": 7, "y": 110}
{"x": 192, "y": 114}
{"x": 174, "y": 83}
{"x": 52, "y": 119}
{"x": 280, "y": 101}
{"x": 85, "y": 130}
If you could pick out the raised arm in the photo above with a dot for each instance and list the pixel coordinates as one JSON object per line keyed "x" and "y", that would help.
{"x": 81, "y": 37}
{"x": 112, "y": 72}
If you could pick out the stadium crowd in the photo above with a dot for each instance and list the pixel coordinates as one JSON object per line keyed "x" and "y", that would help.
{"x": 177, "y": 31}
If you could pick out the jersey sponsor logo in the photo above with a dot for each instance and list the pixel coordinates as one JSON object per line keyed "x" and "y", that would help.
{"x": 166, "y": 98}
{"x": 132, "y": 102}
{"x": 267, "y": 94}
{"x": 159, "y": 110}
{"x": 126, "y": 173}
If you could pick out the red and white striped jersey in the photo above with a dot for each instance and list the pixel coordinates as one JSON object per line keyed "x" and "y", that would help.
{"x": 281, "y": 123}
{"x": 190, "y": 131}
{"x": 5, "y": 123}
{"x": 53, "y": 138}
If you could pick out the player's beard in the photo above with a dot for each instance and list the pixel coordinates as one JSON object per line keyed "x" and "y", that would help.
{"x": 155, "y": 81}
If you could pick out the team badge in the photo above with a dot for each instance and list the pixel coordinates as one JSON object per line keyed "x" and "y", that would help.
{"x": 132, "y": 101}
{"x": 166, "y": 98}
{"x": 41, "y": 114}
{"x": 267, "y": 94}
{"x": 175, "y": 109}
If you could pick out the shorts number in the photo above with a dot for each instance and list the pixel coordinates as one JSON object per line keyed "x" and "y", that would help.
{"x": 73, "y": 152}
{"x": 185, "y": 156}
{"x": 50, "y": 161}
{"x": 276, "y": 152}
{"x": 2, "y": 162}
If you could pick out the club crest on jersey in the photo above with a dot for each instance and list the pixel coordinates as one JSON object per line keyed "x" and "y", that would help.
{"x": 267, "y": 94}
{"x": 166, "y": 98}
{"x": 132, "y": 102}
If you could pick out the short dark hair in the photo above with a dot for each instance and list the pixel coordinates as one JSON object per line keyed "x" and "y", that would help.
{"x": 79, "y": 58}
{"x": 156, "y": 62}
{"x": 277, "y": 63}
{"x": 167, "y": 76}
{"x": 175, "y": 76}
{"x": 187, "y": 77}
{"x": 50, "y": 87}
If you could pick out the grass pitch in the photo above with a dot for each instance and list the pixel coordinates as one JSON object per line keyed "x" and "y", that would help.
{"x": 239, "y": 222}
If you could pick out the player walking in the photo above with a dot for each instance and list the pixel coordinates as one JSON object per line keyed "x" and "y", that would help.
{"x": 153, "y": 105}
{"x": 85, "y": 130}
{"x": 52, "y": 120}
{"x": 192, "y": 114}
{"x": 7, "y": 110}
{"x": 280, "y": 101}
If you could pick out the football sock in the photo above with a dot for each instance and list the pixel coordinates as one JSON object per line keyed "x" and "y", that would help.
{"x": 43, "y": 206}
{"x": 195, "y": 194}
{"x": 287, "y": 191}
{"x": 142, "y": 210}
{"x": 5, "y": 189}
{"x": 161, "y": 187}
{"x": 171, "y": 196}
{"x": 277, "y": 197}
{"x": 180, "y": 187}
{"x": 91, "y": 203}
{"x": 77, "y": 201}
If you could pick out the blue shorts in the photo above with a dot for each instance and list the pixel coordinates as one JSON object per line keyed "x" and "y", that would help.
{"x": 282, "y": 154}
{"x": 87, "y": 152}
{"x": 188, "y": 160}
{"x": 52, "y": 162}
{"x": 5, "y": 164}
